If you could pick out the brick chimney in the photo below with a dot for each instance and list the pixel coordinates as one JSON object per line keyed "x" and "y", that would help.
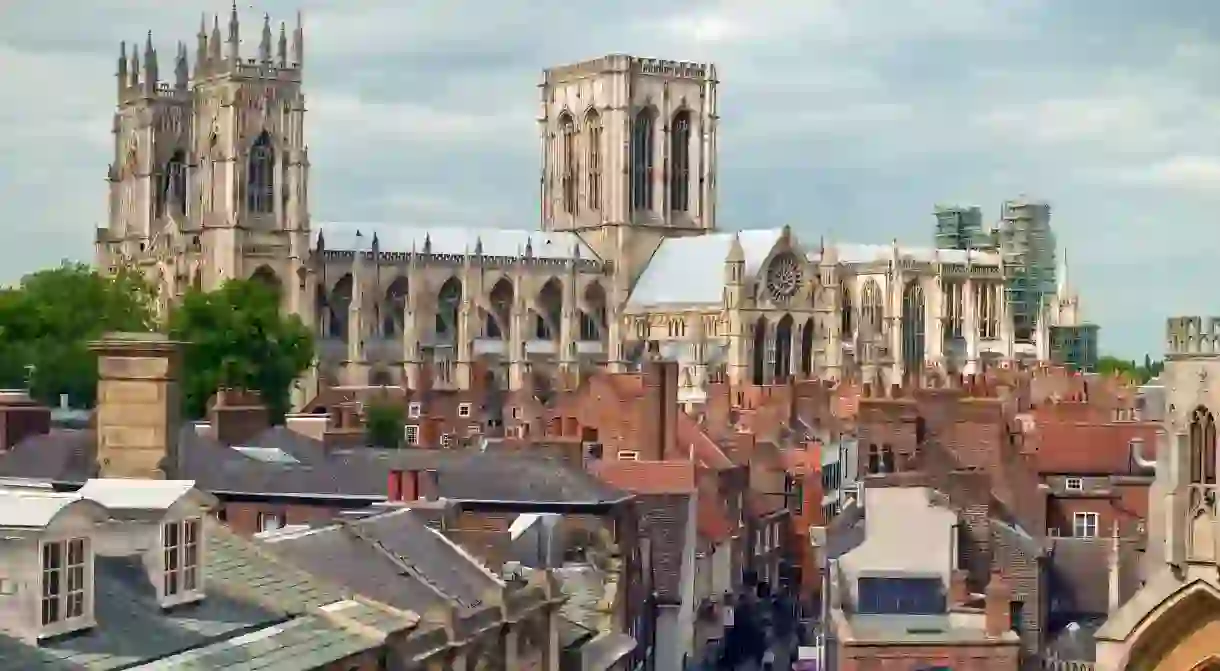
{"x": 660, "y": 407}
{"x": 997, "y": 605}
{"x": 412, "y": 485}
{"x": 237, "y": 416}
{"x": 20, "y": 418}
{"x": 137, "y": 405}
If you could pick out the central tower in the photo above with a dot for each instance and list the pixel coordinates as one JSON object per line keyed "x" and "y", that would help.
{"x": 629, "y": 141}
{"x": 628, "y": 153}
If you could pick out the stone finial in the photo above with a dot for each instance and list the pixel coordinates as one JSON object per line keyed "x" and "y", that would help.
{"x": 264, "y": 44}
{"x": 282, "y": 47}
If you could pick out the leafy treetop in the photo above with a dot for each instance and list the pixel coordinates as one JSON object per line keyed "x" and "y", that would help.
{"x": 237, "y": 338}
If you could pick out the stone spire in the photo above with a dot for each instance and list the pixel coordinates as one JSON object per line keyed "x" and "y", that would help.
{"x": 298, "y": 42}
{"x": 122, "y": 71}
{"x": 282, "y": 50}
{"x": 234, "y": 36}
{"x": 201, "y": 47}
{"x": 264, "y": 44}
{"x": 182, "y": 69}
{"x": 150, "y": 66}
{"x": 214, "y": 43}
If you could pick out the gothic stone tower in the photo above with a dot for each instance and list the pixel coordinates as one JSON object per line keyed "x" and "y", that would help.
{"x": 629, "y": 154}
{"x": 210, "y": 175}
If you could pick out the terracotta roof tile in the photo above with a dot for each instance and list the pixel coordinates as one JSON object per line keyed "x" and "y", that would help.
{"x": 693, "y": 439}
{"x": 1091, "y": 448}
{"x": 648, "y": 477}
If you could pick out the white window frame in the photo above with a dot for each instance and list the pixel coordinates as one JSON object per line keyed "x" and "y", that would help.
{"x": 1074, "y": 484}
{"x": 446, "y": 441}
{"x": 464, "y": 409}
{"x": 414, "y": 410}
{"x": 66, "y": 587}
{"x": 410, "y": 434}
{"x": 182, "y": 560}
{"x": 1081, "y": 523}
{"x": 263, "y": 517}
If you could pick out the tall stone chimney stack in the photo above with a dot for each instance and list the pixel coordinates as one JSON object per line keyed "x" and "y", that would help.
{"x": 138, "y": 404}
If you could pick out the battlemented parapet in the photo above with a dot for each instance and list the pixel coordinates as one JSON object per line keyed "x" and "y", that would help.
{"x": 1192, "y": 336}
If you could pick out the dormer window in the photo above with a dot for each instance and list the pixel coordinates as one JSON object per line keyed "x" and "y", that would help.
{"x": 414, "y": 410}
{"x": 65, "y": 583}
{"x": 180, "y": 561}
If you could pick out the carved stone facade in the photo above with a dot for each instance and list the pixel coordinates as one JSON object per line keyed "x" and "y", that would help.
{"x": 210, "y": 182}
{"x": 1173, "y": 622}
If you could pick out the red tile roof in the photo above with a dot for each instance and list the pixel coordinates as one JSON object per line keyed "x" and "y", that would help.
{"x": 648, "y": 477}
{"x": 1091, "y": 448}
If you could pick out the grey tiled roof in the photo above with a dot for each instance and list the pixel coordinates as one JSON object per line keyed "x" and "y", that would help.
{"x": 336, "y": 554}
{"x": 306, "y": 642}
{"x": 663, "y": 519}
{"x": 246, "y": 591}
{"x": 470, "y": 475}
{"x": 439, "y": 561}
{"x": 356, "y": 473}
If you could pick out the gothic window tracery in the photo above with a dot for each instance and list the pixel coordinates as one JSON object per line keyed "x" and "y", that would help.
{"x": 593, "y": 124}
{"x": 567, "y": 131}
{"x": 679, "y": 151}
{"x": 913, "y": 321}
{"x": 593, "y": 317}
{"x": 1202, "y": 447}
{"x": 260, "y": 176}
{"x": 448, "y": 301}
{"x": 987, "y": 310}
{"x": 847, "y": 312}
{"x": 784, "y": 277}
{"x": 171, "y": 191}
{"x": 642, "y": 160}
{"x": 871, "y": 312}
{"x": 502, "y": 296}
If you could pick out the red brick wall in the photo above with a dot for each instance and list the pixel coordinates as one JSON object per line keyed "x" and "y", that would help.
{"x": 912, "y": 658}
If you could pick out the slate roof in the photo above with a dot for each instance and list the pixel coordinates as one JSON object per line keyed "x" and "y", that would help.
{"x": 451, "y": 240}
{"x": 246, "y": 592}
{"x": 690, "y": 270}
{"x": 470, "y": 475}
{"x": 358, "y": 474}
{"x": 663, "y": 519}
{"x": 393, "y": 557}
{"x": 68, "y": 457}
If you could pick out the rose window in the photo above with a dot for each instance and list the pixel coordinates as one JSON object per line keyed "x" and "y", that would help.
{"x": 784, "y": 277}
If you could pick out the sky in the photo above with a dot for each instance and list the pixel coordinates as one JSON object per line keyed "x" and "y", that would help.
{"x": 848, "y": 119}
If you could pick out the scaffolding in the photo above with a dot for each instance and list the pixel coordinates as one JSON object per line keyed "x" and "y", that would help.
{"x": 961, "y": 227}
{"x": 1027, "y": 247}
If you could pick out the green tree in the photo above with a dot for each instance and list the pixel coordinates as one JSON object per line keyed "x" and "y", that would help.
{"x": 47, "y": 321}
{"x": 383, "y": 424}
{"x": 1111, "y": 365}
{"x": 236, "y": 337}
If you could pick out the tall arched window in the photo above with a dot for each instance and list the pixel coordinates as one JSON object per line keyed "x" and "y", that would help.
{"x": 641, "y": 161}
{"x": 1202, "y": 447}
{"x": 171, "y": 192}
{"x": 846, "y": 313}
{"x": 567, "y": 132}
{"x": 679, "y": 152}
{"x": 260, "y": 176}
{"x": 593, "y": 124}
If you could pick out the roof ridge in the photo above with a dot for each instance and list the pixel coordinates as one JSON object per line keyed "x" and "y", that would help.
{"x": 400, "y": 561}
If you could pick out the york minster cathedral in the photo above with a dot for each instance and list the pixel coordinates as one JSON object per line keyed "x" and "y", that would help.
{"x": 210, "y": 181}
